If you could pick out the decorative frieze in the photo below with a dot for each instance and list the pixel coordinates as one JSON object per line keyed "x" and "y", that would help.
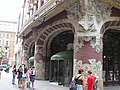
{"x": 75, "y": 11}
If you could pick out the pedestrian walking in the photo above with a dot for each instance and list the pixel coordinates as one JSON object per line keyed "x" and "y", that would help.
{"x": 32, "y": 76}
{"x": 14, "y": 72}
{"x": 90, "y": 81}
{"x": 19, "y": 73}
{"x": 24, "y": 76}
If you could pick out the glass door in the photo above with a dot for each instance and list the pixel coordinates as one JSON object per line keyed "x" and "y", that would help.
{"x": 56, "y": 71}
{"x": 111, "y": 71}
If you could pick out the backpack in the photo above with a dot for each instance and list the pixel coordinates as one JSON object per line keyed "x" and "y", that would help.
{"x": 73, "y": 85}
{"x": 95, "y": 84}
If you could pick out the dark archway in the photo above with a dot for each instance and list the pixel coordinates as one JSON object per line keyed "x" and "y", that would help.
{"x": 31, "y": 55}
{"x": 61, "y": 70}
{"x": 60, "y": 42}
{"x": 111, "y": 57}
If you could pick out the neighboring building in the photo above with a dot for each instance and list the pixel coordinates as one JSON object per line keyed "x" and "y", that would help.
{"x": 62, "y": 36}
{"x": 7, "y": 40}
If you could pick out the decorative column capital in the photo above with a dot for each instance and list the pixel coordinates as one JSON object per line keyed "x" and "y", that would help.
{"x": 94, "y": 40}
{"x": 89, "y": 13}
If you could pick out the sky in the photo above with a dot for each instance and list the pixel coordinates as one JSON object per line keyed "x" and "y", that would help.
{"x": 10, "y": 9}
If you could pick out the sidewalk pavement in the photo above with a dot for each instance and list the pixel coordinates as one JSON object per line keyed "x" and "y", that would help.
{"x": 45, "y": 85}
{"x": 5, "y": 84}
{"x": 112, "y": 88}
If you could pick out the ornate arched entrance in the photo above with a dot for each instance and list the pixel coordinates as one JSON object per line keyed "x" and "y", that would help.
{"x": 31, "y": 55}
{"x": 111, "y": 42}
{"x": 48, "y": 39}
{"x": 61, "y": 58}
{"x": 111, "y": 55}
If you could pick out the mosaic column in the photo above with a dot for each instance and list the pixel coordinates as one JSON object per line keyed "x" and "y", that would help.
{"x": 39, "y": 63}
{"x": 88, "y": 56}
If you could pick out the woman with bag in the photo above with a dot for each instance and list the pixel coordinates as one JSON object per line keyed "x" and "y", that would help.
{"x": 19, "y": 76}
{"x": 24, "y": 76}
{"x": 79, "y": 78}
{"x": 32, "y": 76}
{"x": 14, "y": 72}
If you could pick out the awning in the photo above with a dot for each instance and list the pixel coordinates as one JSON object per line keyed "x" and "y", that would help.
{"x": 65, "y": 55}
{"x": 31, "y": 59}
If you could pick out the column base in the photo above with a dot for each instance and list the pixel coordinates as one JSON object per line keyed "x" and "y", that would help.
{"x": 40, "y": 71}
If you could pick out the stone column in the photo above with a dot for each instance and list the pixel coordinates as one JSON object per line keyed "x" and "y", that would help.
{"x": 25, "y": 57}
{"x": 39, "y": 63}
{"x": 39, "y": 4}
{"x": 31, "y": 9}
{"x": 35, "y": 6}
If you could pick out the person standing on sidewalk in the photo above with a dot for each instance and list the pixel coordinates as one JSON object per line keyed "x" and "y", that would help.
{"x": 14, "y": 72}
{"x": 90, "y": 81}
{"x": 24, "y": 76}
{"x": 79, "y": 78}
{"x": 19, "y": 73}
{"x": 32, "y": 76}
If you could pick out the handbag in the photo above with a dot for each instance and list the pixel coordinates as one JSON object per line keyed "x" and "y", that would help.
{"x": 28, "y": 84}
{"x": 73, "y": 85}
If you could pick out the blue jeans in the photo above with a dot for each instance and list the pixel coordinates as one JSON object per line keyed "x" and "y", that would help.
{"x": 79, "y": 87}
{"x": 13, "y": 79}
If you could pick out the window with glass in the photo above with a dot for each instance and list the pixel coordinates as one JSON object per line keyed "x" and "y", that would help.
{"x": 0, "y": 42}
{"x": 7, "y": 36}
{"x": 6, "y": 54}
{"x": 7, "y": 43}
{"x": 0, "y": 35}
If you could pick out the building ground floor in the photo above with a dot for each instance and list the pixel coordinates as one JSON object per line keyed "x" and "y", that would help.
{"x": 61, "y": 47}
{"x": 39, "y": 84}
{"x": 62, "y": 61}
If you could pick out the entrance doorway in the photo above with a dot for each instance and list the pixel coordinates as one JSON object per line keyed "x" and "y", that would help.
{"x": 61, "y": 67}
{"x": 61, "y": 58}
{"x": 111, "y": 57}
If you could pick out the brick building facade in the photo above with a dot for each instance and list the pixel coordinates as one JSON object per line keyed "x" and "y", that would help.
{"x": 52, "y": 29}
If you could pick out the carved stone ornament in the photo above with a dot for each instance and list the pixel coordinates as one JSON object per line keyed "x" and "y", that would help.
{"x": 103, "y": 10}
{"x": 75, "y": 11}
{"x": 81, "y": 41}
{"x": 96, "y": 44}
{"x": 96, "y": 12}
{"x": 89, "y": 13}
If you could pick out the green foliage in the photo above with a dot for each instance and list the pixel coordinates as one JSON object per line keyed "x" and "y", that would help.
{"x": 1, "y": 53}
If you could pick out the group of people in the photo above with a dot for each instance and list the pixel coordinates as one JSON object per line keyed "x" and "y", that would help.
{"x": 80, "y": 81}
{"x": 25, "y": 76}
